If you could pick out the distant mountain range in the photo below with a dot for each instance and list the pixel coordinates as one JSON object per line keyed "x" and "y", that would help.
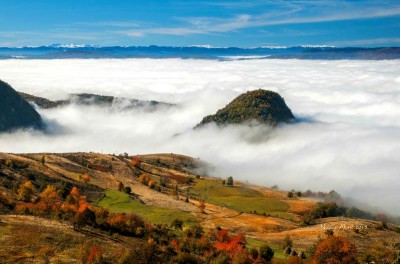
{"x": 66, "y": 51}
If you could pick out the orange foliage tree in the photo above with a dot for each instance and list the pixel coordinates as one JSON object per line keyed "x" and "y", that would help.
{"x": 86, "y": 178}
{"x": 76, "y": 206}
{"x": 135, "y": 161}
{"x": 335, "y": 250}
{"x": 26, "y": 191}
{"x": 95, "y": 256}
{"x": 231, "y": 245}
{"x": 50, "y": 200}
{"x": 144, "y": 178}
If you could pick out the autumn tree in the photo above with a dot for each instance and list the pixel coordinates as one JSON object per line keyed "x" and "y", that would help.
{"x": 144, "y": 178}
{"x": 26, "y": 191}
{"x": 74, "y": 201}
{"x": 135, "y": 161}
{"x": 231, "y": 245}
{"x": 85, "y": 215}
{"x": 95, "y": 256}
{"x": 334, "y": 249}
{"x": 50, "y": 200}
{"x": 86, "y": 178}
{"x": 90, "y": 254}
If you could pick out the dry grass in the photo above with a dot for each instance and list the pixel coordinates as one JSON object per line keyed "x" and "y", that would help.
{"x": 29, "y": 234}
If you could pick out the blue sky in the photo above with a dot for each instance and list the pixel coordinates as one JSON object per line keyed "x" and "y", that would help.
{"x": 238, "y": 23}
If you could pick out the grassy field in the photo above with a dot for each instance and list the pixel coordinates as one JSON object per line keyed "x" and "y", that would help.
{"x": 120, "y": 202}
{"x": 4, "y": 230}
{"x": 279, "y": 256}
{"x": 240, "y": 199}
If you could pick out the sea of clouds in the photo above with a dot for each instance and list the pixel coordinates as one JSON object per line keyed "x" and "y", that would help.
{"x": 348, "y": 137}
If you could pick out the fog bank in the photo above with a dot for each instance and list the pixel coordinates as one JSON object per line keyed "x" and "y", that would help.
{"x": 348, "y": 141}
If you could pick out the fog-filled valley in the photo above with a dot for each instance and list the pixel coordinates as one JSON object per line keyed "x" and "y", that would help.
{"x": 346, "y": 136}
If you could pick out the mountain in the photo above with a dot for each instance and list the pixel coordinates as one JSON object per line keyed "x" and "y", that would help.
{"x": 15, "y": 112}
{"x": 66, "y": 51}
{"x": 261, "y": 105}
{"x": 93, "y": 99}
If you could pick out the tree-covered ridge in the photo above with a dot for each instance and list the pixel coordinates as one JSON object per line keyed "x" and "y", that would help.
{"x": 261, "y": 105}
{"x": 15, "y": 112}
{"x": 92, "y": 99}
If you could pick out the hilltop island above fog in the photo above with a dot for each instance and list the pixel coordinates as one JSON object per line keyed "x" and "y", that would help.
{"x": 261, "y": 105}
{"x": 15, "y": 112}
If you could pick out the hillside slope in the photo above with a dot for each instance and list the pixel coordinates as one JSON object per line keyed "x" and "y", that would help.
{"x": 163, "y": 187}
{"x": 15, "y": 112}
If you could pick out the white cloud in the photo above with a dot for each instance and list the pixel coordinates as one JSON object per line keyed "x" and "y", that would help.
{"x": 349, "y": 141}
{"x": 271, "y": 13}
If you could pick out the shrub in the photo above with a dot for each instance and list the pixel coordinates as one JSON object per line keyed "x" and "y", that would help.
{"x": 266, "y": 252}
{"x": 121, "y": 186}
{"x": 127, "y": 190}
{"x": 287, "y": 242}
{"x": 328, "y": 232}
{"x": 229, "y": 181}
{"x": 46, "y": 252}
{"x": 290, "y": 195}
{"x": 221, "y": 259}
{"x": 186, "y": 258}
{"x": 195, "y": 231}
{"x": 152, "y": 184}
{"x": 254, "y": 253}
{"x": 177, "y": 224}
{"x": 202, "y": 206}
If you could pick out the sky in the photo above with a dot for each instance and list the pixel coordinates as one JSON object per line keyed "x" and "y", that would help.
{"x": 240, "y": 23}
